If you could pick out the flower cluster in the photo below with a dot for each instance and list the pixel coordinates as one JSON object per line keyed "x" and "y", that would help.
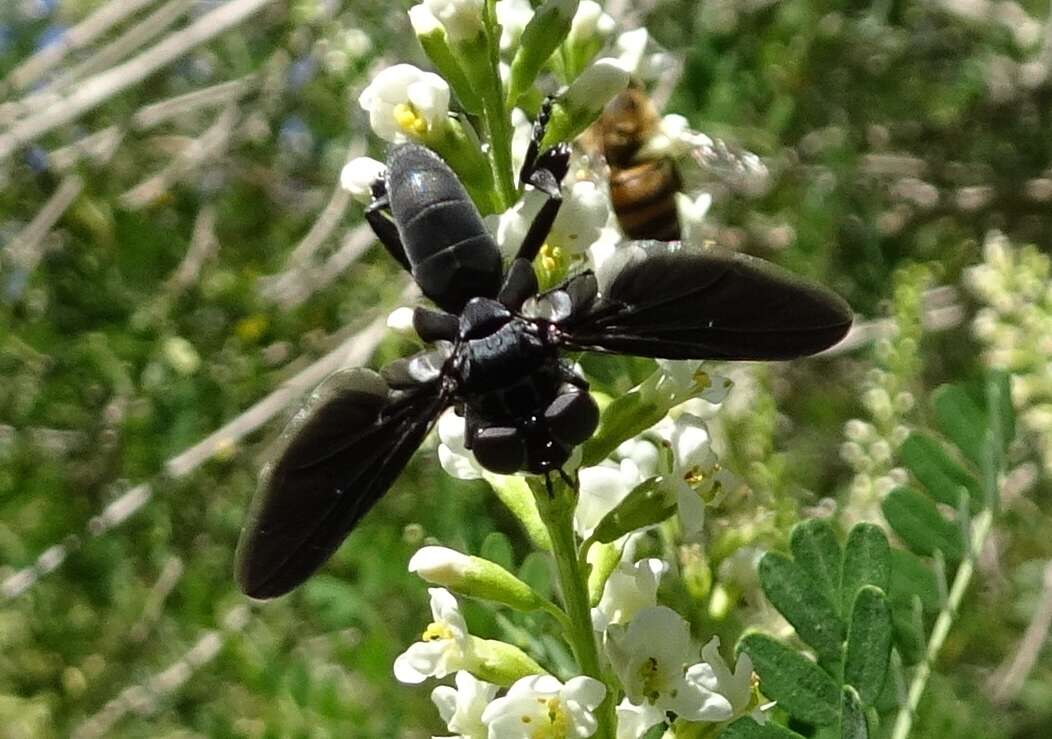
{"x": 887, "y": 395}
{"x": 646, "y": 482}
{"x": 1015, "y": 327}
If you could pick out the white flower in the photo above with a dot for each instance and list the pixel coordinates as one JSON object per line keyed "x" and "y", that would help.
{"x": 512, "y": 15}
{"x": 601, "y": 488}
{"x": 444, "y": 646}
{"x": 359, "y": 174}
{"x": 461, "y": 707}
{"x": 510, "y": 227}
{"x": 605, "y": 246}
{"x": 653, "y": 657}
{"x": 679, "y": 377}
{"x": 736, "y": 687}
{"x": 541, "y": 706}
{"x": 692, "y": 213}
{"x": 456, "y": 459}
{"x": 631, "y": 587}
{"x": 400, "y": 320}
{"x": 589, "y": 21}
{"x": 462, "y": 19}
{"x": 633, "y": 721}
{"x": 404, "y": 101}
{"x": 693, "y": 468}
{"x": 583, "y": 215}
{"x": 675, "y": 138}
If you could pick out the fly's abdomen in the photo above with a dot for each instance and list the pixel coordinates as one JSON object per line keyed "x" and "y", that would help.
{"x": 452, "y": 255}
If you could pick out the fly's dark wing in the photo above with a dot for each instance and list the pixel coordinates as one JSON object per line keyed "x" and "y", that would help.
{"x": 659, "y": 299}
{"x": 340, "y": 454}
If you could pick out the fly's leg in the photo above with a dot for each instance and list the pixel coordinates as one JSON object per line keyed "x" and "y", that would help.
{"x": 544, "y": 171}
{"x": 378, "y": 215}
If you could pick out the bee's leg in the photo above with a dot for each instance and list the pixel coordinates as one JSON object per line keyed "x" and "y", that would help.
{"x": 378, "y": 215}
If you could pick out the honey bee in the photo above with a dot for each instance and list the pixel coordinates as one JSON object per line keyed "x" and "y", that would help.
{"x": 643, "y": 185}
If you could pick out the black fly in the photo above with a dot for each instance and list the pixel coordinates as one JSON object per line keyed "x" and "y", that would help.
{"x": 496, "y": 355}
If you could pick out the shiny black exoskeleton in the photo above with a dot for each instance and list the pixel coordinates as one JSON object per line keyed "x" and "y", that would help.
{"x": 497, "y": 354}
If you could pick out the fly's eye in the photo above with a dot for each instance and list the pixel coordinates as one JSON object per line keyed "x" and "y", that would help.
{"x": 482, "y": 317}
{"x": 499, "y": 449}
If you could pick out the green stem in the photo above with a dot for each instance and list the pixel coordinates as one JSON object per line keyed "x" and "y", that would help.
{"x": 557, "y": 513}
{"x": 948, "y": 614}
{"x": 496, "y": 115}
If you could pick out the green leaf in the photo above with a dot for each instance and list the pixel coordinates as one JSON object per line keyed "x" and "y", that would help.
{"x": 944, "y": 479}
{"x": 797, "y": 597}
{"x": 852, "y": 716}
{"x": 815, "y": 549}
{"x": 798, "y": 684}
{"x": 961, "y": 420}
{"x": 747, "y": 728}
{"x": 647, "y": 504}
{"x": 919, "y": 524}
{"x": 536, "y": 571}
{"x": 999, "y": 402}
{"x": 624, "y": 418}
{"x": 908, "y": 639}
{"x": 910, "y": 577}
{"x": 867, "y": 561}
{"x": 868, "y": 644}
{"x": 497, "y": 549}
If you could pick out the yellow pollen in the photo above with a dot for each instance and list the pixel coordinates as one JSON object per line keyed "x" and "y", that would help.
{"x": 409, "y": 120}
{"x": 648, "y": 672}
{"x": 437, "y": 631}
{"x": 558, "y": 724}
{"x": 702, "y": 380}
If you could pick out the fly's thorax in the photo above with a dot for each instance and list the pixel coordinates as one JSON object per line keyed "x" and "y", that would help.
{"x": 512, "y": 352}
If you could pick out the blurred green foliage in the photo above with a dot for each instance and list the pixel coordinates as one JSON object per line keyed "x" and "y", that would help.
{"x": 898, "y": 135}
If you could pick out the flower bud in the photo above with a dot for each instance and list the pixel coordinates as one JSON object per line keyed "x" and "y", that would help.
{"x": 462, "y": 19}
{"x": 500, "y": 663}
{"x": 541, "y": 37}
{"x": 513, "y": 17}
{"x": 473, "y": 576}
{"x": 584, "y": 100}
{"x": 358, "y": 175}
{"x": 581, "y": 218}
{"x": 432, "y": 37}
{"x": 588, "y": 32}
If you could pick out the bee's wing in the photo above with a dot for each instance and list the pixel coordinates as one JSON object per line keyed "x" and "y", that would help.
{"x": 338, "y": 456}
{"x": 660, "y": 299}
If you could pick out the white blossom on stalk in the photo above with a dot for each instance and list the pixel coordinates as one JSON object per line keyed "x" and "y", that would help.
{"x": 736, "y": 687}
{"x": 680, "y": 376}
{"x": 600, "y": 489}
{"x": 583, "y": 215}
{"x": 588, "y": 22}
{"x": 462, "y": 19}
{"x": 456, "y": 459}
{"x": 634, "y": 721}
{"x": 512, "y": 15}
{"x": 631, "y": 49}
{"x": 692, "y": 470}
{"x": 631, "y": 587}
{"x": 461, "y": 707}
{"x": 404, "y": 102}
{"x": 359, "y": 174}
{"x": 444, "y": 646}
{"x": 541, "y": 706}
{"x": 653, "y": 657}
